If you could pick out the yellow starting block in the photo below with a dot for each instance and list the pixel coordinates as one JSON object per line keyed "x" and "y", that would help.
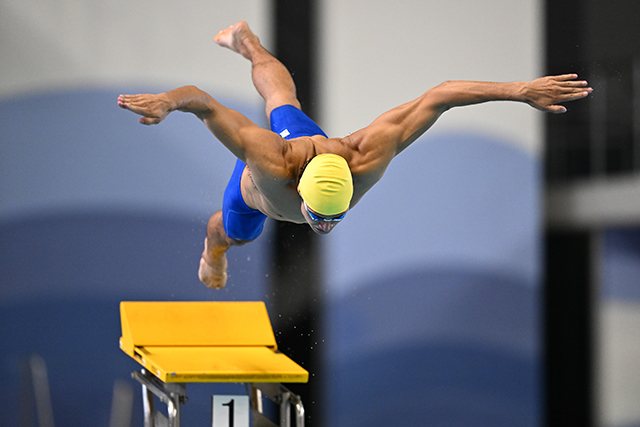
{"x": 182, "y": 342}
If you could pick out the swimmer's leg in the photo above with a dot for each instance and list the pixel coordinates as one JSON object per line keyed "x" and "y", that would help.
{"x": 213, "y": 262}
{"x": 270, "y": 77}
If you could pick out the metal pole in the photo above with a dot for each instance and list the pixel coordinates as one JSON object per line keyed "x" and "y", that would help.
{"x": 255, "y": 398}
{"x": 41, "y": 391}
{"x": 285, "y": 410}
{"x": 147, "y": 406}
{"x": 121, "y": 405}
{"x": 299, "y": 414}
{"x": 173, "y": 410}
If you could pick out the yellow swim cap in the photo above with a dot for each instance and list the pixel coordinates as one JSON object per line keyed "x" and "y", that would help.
{"x": 326, "y": 185}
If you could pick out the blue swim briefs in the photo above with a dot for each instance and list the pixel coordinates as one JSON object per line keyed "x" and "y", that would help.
{"x": 240, "y": 221}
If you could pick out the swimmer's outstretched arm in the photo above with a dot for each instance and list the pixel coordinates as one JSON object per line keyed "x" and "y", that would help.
{"x": 396, "y": 129}
{"x": 545, "y": 93}
{"x": 241, "y": 136}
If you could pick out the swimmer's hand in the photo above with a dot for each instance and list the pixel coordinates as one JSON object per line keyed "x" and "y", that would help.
{"x": 546, "y": 93}
{"x": 152, "y": 108}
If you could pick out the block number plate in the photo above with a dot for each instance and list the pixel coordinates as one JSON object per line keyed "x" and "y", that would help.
{"x": 230, "y": 411}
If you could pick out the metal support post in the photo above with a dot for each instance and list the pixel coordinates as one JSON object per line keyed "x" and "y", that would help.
{"x": 280, "y": 396}
{"x": 172, "y": 395}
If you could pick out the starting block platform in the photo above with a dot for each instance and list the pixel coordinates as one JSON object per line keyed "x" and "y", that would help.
{"x": 207, "y": 342}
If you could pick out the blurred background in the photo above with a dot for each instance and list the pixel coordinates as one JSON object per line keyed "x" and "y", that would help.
{"x": 487, "y": 280}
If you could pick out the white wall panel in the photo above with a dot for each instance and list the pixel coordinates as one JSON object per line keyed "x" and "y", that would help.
{"x": 50, "y": 44}
{"x": 378, "y": 54}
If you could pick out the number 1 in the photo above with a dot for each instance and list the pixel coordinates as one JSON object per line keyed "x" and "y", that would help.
{"x": 230, "y": 404}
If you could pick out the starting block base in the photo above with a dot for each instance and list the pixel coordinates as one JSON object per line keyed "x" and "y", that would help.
{"x": 174, "y": 395}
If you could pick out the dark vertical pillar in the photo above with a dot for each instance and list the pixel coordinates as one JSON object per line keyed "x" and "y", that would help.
{"x": 567, "y": 153}
{"x": 295, "y": 41}
{"x": 569, "y": 319}
{"x": 569, "y": 253}
{"x": 296, "y": 278}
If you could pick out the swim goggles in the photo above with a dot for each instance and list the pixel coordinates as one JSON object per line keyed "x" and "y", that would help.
{"x": 319, "y": 218}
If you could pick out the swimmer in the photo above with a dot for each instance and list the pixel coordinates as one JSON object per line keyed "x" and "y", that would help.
{"x": 294, "y": 172}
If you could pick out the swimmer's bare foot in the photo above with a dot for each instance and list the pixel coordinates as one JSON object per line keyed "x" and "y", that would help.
{"x": 213, "y": 268}
{"x": 237, "y": 37}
